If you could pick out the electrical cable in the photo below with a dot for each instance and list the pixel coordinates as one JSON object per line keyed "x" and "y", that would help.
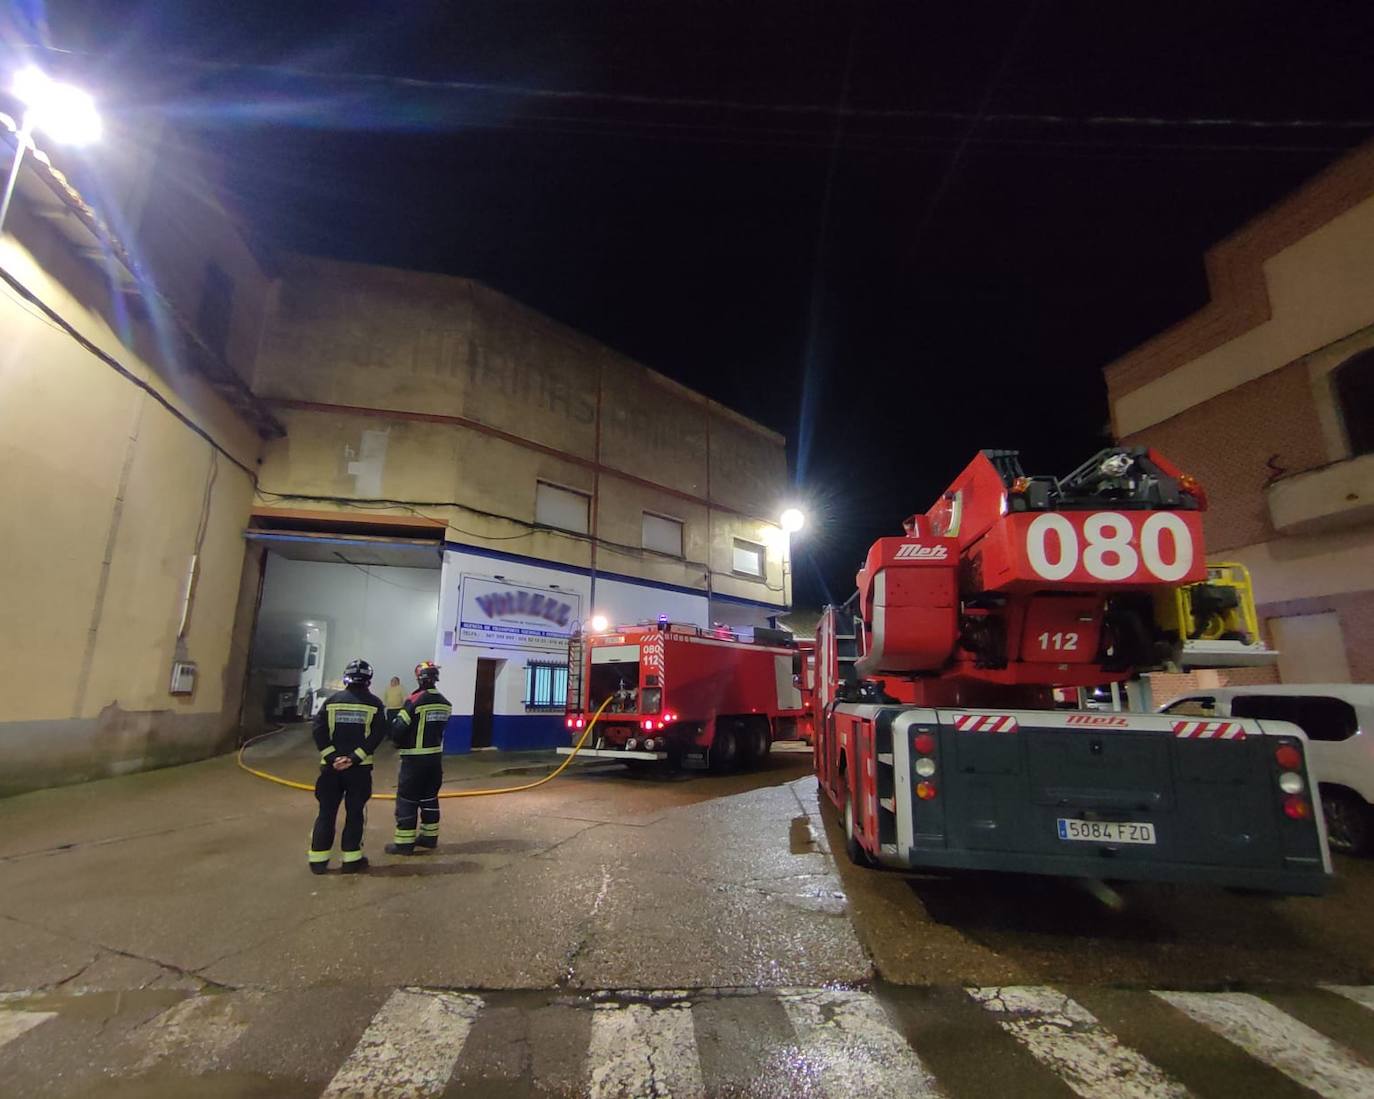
{"x": 269, "y": 777}
{"x": 119, "y": 368}
{"x": 733, "y": 105}
{"x": 413, "y": 506}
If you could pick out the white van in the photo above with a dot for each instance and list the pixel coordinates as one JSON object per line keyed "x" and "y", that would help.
{"x": 1338, "y": 719}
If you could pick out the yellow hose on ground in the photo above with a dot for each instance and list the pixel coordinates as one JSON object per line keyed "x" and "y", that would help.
{"x": 442, "y": 793}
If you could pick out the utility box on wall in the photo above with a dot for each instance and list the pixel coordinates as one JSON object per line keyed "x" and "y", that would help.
{"x": 183, "y": 677}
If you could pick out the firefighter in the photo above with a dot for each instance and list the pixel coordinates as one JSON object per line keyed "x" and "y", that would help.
{"x": 348, "y": 728}
{"x": 418, "y": 732}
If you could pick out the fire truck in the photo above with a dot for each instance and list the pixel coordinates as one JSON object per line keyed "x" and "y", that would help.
{"x": 936, "y": 733}
{"x": 681, "y": 691}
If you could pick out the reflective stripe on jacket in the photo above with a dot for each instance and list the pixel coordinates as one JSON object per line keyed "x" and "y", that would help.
{"x": 349, "y": 723}
{"x": 418, "y": 729}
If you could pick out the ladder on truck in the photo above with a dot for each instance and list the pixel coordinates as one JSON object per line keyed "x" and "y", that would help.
{"x": 846, "y": 642}
{"x": 574, "y": 699}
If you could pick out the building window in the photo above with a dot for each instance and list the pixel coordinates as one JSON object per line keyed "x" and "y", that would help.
{"x": 563, "y": 508}
{"x": 748, "y": 558}
{"x": 216, "y": 309}
{"x": 662, "y": 535}
{"x": 1197, "y": 706}
{"x": 1354, "y": 384}
{"x": 1320, "y": 717}
{"x": 546, "y": 687}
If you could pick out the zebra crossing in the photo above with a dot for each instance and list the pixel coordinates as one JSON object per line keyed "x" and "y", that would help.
{"x": 789, "y": 1042}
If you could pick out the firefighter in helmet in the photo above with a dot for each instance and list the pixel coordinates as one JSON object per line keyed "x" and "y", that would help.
{"x": 418, "y": 731}
{"x": 347, "y": 730}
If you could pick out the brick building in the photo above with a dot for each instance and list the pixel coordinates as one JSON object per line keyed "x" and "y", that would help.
{"x": 1266, "y": 394}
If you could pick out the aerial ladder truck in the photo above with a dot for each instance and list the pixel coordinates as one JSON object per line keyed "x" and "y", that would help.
{"x": 936, "y": 735}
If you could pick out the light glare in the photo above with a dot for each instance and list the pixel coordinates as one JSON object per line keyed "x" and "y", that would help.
{"x": 65, "y": 114}
{"x": 792, "y": 520}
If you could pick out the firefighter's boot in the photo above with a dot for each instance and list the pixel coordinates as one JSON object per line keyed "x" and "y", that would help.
{"x": 355, "y": 865}
{"x": 400, "y": 848}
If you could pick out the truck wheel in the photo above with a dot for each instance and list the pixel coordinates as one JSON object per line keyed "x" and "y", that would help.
{"x": 724, "y": 753}
{"x": 754, "y": 742}
{"x": 857, "y": 855}
{"x": 1347, "y": 822}
{"x": 765, "y": 739}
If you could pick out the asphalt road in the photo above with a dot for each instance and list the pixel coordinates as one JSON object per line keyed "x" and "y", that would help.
{"x": 612, "y": 934}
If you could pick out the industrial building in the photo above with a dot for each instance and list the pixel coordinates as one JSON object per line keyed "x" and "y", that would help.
{"x": 270, "y": 465}
{"x": 541, "y": 478}
{"x": 1266, "y": 395}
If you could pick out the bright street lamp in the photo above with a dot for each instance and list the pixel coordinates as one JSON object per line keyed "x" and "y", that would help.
{"x": 599, "y": 623}
{"x": 65, "y": 114}
{"x": 792, "y": 520}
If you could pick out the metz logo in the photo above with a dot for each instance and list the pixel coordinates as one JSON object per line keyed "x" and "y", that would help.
{"x": 915, "y": 549}
{"x": 1094, "y": 719}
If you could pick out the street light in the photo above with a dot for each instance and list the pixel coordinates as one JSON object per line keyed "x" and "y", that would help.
{"x": 65, "y": 114}
{"x": 792, "y": 520}
{"x": 599, "y": 623}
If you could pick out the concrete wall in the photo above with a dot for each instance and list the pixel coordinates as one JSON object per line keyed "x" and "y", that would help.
{"x": 107, "y": 498}
{"x": 416, "y": 387}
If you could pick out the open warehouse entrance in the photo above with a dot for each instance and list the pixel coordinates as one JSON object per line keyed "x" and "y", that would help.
{"x": 331, "y": 597}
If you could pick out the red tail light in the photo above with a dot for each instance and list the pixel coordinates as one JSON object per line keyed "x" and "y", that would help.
{"x": 569, "y": 723}
{"x": 1288, "y": 757}
{"x": 926, "y": 791}
{"x": 1297, "y": 808}
{"x": 579, "y": 723}
{"x": 924, "y": 744}
{"x": 648, "y": 724}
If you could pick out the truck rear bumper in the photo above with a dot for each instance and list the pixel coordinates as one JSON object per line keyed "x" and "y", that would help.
{"x": 613, "y": 753}
{"x": 1298, "y": 878}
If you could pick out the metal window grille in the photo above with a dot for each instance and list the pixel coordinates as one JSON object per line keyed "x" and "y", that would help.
{"x": 546, "y": 686}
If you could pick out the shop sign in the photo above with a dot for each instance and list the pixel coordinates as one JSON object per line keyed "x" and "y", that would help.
{"x": 505, "y": 615}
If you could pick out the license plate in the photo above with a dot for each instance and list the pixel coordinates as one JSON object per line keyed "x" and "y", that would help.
{"x": 1106, "y": 831}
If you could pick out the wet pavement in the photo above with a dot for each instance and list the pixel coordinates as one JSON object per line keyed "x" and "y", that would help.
{"x": 614, "y": 934}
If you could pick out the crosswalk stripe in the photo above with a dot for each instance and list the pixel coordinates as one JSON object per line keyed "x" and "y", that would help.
{"x": 409, "y": 1048}
{"x": 849, "y": 1047}
{"x": 199, "y": 1030}
{"x": 15, "y": 1023}
{"x": 1062, "y": 1034}
{"x": 644, "y": 1049}
{"x": 1264, "y": 1032}
{"x": 1360, "y": 994}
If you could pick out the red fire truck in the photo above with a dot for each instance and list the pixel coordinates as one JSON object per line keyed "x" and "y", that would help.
{"x": 679, "y": 691}
{"x": 936, "y": 733}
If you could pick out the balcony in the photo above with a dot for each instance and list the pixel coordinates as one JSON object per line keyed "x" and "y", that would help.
{"x": 1334, "y": 497}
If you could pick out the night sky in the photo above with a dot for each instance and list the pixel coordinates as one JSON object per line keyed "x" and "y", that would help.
{"x": 895, "y": 232}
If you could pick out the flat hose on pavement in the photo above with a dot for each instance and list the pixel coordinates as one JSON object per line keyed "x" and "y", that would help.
{"x": 442, "y": 793}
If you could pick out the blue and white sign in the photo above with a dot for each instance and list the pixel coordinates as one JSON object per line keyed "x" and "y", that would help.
{"x": 500, "y": 614}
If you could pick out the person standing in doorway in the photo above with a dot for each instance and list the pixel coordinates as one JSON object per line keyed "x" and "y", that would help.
{"x": 347, "y": 730}
{"x": 394, "y": 698}
{"x": 418, "y": 732}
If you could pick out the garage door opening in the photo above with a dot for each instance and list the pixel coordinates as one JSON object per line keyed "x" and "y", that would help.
{"x": 328, "y": 600}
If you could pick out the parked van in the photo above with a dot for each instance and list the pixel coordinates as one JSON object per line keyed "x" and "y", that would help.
{"x": 1338, "y": 719}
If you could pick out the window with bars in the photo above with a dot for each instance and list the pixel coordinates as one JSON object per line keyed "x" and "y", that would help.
{"x": 546, "y": 687}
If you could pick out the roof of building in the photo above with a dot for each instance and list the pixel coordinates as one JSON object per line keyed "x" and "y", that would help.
{"x": 59, "y": 203}
{"x": 1239, "y": 294}
{"x": 565, "y": 331}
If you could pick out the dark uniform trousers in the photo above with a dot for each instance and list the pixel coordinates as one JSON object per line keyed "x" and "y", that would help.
{"x": 417, "y": 800}
{"x": 352, "y": 787}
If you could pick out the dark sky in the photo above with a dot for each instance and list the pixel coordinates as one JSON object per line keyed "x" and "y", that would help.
{"x": 895, "y": 232}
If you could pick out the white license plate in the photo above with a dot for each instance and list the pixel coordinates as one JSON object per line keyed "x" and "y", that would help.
{"x": 1106, "y": 831}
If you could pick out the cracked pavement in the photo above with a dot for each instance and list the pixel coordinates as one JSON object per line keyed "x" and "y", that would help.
{"x": 194, "y": 878}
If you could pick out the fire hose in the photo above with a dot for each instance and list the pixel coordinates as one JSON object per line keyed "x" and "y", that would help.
{"x": 268, "y": 776}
